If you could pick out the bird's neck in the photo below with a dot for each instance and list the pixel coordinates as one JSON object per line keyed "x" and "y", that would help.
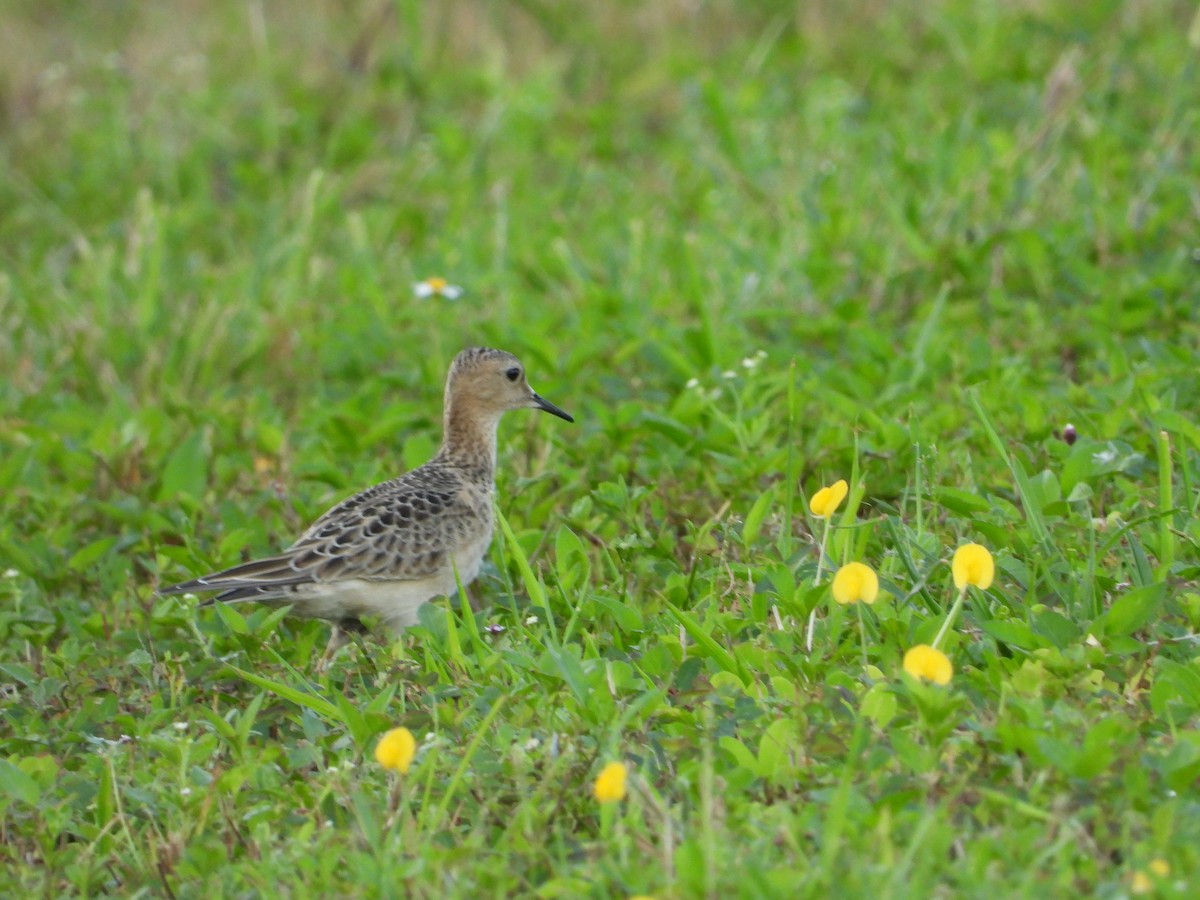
{"x": 469, "y": 440}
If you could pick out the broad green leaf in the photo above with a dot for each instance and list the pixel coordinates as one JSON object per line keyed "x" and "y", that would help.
{"x": 84, "y": 558}
{"x": 962, "y": 502}
{"x": 17, "y": 785}
{"x": 1130, "y": 611}
{"x": 186, "y": 471}
{"x": 879, "y": 704}
{"x": 1014, "y": 632}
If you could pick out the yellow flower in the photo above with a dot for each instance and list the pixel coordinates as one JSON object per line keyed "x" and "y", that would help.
{"x": 610, "y": 783}
{"x": 396, "y": 749}
{"x": 855, "y": 581}
{"x": 437, "y": 287}
{"x": 928, "y": 664}
{"x": 973, "y": 565}
{"x": 826, "y": 501}
{"x": 1142, "y": 881}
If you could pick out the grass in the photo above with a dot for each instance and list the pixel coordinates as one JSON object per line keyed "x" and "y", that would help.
{"x": 753, "y": 249}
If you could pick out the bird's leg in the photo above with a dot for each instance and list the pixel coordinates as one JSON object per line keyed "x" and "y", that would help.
{"x": 340, "y": 634}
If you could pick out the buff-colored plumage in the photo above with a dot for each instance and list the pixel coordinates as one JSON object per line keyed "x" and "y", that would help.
{"x": 386, "y": 550}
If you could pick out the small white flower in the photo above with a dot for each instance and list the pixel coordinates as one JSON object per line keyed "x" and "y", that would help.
{"x": 532, "y": 744}
{"x": 11, "y": 573}
{"x": 185, "y": 792}
{"x": 693, "y": 383}
{"x": 180, "y": 726}
{"x": 332, "y": 770}
{"x": 329, "y": 823}
{"x": 531, "y": 620}
{"x": 429, "y": 736}
{"x": 437, "y": 287}
{"x": 729, "y": 373}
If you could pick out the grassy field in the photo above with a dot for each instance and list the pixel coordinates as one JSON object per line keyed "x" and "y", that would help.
{"x": 754, "y": 249}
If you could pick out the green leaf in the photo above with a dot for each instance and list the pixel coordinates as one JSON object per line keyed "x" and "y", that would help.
{"x": 17, "y": 785}
{"x": 571, "y": 560}
{"x": 360, "y": 730}
{"x": 232, "y": 619}
{"x": 533, "y": 586}
{"x": 287, "y": 692}
{"x": 572, "y": 673}
{"x": 713, "y": 649}
{"x": 1175, "y": 683}
{"x": 776, "y": 746}
{"x": 1015, "y": 633}
{"x": 186, "y": 471}
{"x": 879, "y": 704}
{"x": 628, "y": 617}
{"x": 758, "y": 512}
{"x": 962, "y": 502}
{"x": 1130, "y": 611}
{"x": 84, "y": 558}
{"x": 739, "y": 751}
{"x": 1056, "y": 628}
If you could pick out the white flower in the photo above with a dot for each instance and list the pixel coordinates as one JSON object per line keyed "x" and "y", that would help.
{"x": 693, "y": 383}
{"x": 729, "y": 373}
{"x": 180, "y": 726}
{"x": 532, "y": 620}
{"x": 11, "y": 573}
{"x": 437, "y": 287}
{"x": 185, "y": 792}
{"x": 751, "y": 362}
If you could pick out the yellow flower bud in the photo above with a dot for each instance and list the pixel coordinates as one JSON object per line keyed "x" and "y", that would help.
{"x": 610, "y": 783}
{"x": 825, "y": 502}
{"x": 855, "y": 581}
{"x": 973, "y": 565}
{"x": 926, "y": 663}
{"x": 396, "y": 749}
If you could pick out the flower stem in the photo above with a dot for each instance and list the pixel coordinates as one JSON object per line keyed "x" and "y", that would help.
{"x": 812, "y": 616}
{"x": 821, "y": 555}
{"x": 862, "y": 634}
{"x": 958, "y": 602}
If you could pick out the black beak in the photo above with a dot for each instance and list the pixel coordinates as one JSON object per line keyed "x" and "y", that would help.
{"x": 544, "y": 404}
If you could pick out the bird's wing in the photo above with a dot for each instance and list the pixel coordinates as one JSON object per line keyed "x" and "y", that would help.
{"x": 400, "y": 530}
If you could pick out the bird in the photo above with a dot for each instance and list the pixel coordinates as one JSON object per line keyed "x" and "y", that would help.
{"x": 388, "y": 549}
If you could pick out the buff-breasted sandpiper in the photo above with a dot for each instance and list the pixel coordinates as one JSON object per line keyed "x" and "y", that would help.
{"x": 387, "y": 550}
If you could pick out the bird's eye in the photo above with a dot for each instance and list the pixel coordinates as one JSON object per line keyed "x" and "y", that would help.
{"x": 513, "y": 374}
